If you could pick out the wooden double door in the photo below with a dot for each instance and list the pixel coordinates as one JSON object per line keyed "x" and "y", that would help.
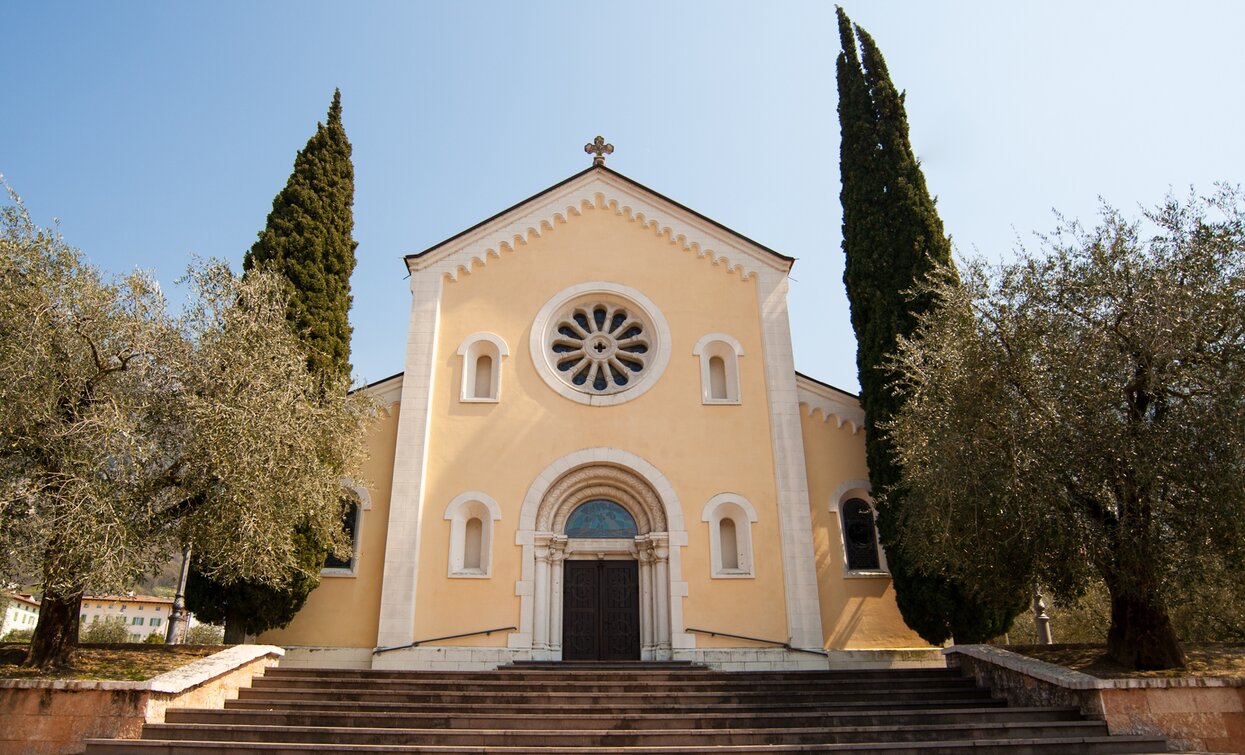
{"x": 600, "y": 611}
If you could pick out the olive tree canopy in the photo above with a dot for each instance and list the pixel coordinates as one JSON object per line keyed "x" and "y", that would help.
{"x": 126, "y": 431}
{"x": 1082, "y": 412}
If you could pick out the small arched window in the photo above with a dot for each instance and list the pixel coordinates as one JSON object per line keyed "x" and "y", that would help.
{"x": 860, "y": 538}
{"x": 474, "y": 540}
{"x": 354, "y": 501}
{"x": 729, "y": 544}
{"x": 717, "y": 379}
{"x": 730, "y": 519}
{"x": 471, "y": 517}
{"x": 481, "y": 365}
{"x": 719, "y": 368}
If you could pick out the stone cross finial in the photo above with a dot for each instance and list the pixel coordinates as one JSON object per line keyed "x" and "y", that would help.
{"x": 599, "y": 148}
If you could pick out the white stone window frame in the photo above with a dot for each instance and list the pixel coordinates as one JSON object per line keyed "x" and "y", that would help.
{"x": 473, "y": 347}
{"x": 539, "y": 347}
{"x": 364, "y": 500}
{"x": 844, "y": 493}
{"x": 741, "y": 511}
{"x": 728, "y": 349}
{"x": 472, "y": 504}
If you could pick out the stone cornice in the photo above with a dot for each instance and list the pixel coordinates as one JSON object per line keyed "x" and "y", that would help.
{"x": 597, "y": 190}
{"x": 831, "y": 402}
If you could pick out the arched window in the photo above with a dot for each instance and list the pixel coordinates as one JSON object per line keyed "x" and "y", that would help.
{"x": 481, "y": 365}
{"x": 717, "y": 379}
{"x": 484, "y": 377}
{"x": 728, "y": 544}
{"x": 600, "y": 518}
{"x": 474, "y": 544}
{"x": 730, "y": 519}
{"x": 860, "y": 538}
{"x": 471, "y": 516}
{"x": 354, "y": 501}
{"x": 719, "y": 368}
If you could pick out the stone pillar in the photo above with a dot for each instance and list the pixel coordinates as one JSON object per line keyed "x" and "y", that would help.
{"x": 540, "y": 626}
{"x": 557, "y": 556}
{"x": 645, "y": 555}
{"x": 661, "y": 595}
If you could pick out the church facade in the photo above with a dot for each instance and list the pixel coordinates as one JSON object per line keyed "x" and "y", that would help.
{"x": 599, "y": 448}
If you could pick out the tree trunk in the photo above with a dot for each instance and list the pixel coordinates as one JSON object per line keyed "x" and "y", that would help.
{"x": 235, "y": 628}
{"x": 1141, "y": 635}
{"x": 56, "y": 635}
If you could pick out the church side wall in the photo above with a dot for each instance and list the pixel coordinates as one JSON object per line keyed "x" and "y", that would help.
{"x": 858, "y": 612}
{"x": 500, "y": 448}
{"x": 343, "y": 612}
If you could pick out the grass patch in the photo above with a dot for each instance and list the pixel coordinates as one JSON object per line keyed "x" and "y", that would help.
{"x": 1204, "y": 659}
{"x": 124, "y": 663}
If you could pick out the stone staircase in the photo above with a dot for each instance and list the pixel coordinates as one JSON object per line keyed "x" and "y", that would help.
{"x": 632, "y": 708}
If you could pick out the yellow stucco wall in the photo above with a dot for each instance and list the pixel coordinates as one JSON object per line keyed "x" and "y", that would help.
{"x": 856, "y": 612}
{"x": 501, "y": 448}
{"x": 345, "y": 611}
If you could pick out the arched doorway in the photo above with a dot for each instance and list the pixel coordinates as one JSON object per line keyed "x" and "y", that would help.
{"x": 599, "y": 575}
{"x": 601, "y": 595}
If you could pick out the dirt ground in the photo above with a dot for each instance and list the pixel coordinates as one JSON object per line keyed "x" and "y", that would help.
{"x": 129, "y": 663}
{"x": 1202, "y": 659}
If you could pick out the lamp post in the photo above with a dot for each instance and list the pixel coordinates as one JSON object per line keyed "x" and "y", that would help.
{"x": 175, "y": 632}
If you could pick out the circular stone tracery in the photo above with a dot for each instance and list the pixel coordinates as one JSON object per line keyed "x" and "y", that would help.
{"x": 600, "y": 347}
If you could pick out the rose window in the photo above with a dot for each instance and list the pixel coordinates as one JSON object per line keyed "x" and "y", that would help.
{"x": 600, "y": 347}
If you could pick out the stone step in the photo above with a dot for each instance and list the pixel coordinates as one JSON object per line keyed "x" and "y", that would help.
{"x": 601, "y": 686}
{"x": 628, "y": 721}
{"x": 589, "y": 739}
{"x": 632, "y": 707}
{"x": 1101, "y": 745}
{"x": 1135, "y": 745}
{"x": 694, "y": 673}
{"x": 654, "y": 698}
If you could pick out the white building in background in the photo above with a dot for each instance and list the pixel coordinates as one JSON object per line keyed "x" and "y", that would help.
{"x": 21, "y": 613}
{"x": 142, "y": 614}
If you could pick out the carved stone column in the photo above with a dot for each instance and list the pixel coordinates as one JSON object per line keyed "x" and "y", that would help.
{"x": 644, "y": 552}
{"x": 540, "y": 624}
{"x": 557, "y": 556}
{"x": 661, "y": 594}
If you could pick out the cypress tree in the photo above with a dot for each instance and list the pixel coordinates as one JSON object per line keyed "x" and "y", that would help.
{"x": 308, "y": 240}
{"x": 892, "y": 239}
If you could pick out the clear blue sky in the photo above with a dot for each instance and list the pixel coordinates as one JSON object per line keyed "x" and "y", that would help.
{"x": 154, "y": 130}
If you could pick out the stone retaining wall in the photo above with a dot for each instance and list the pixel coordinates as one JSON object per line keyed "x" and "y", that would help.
{"x": 1202, "y": 714}
{"x": 46, "y": 717}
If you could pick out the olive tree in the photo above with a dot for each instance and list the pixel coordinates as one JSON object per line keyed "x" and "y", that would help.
{"x": 1081, "y": 413}
{"x": 127, "y": 431}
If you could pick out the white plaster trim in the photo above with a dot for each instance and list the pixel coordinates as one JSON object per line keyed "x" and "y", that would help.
{"x": 795, "y": 526}
{"x": 458, "y": 511}
{"x": 846, "y": 487}
{"x": 647, "y": 379}
{"x": 494, "y": 510}
{"x": 525, "y": 536}
{"x": 470, "y": 350}
{"x": 388, "y": 392}
{"x": 597, "y": 190}
{"x": 844, "y": 409}
{"x": 706, "y": 514}
{"x": 712, "y": 513}
{"x": 840, "y": 494}
{"x": 492, "y": 338}
{"x": 365, "y": 497}
{"x": 713, "y": 345}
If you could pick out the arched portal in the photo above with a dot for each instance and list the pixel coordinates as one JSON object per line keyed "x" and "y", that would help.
{"x": 579, "y": 510}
